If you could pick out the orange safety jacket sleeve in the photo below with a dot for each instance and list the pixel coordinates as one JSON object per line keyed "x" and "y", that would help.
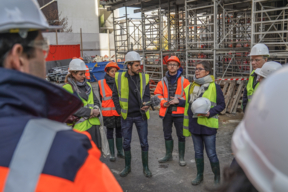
{"x": 95, "y": 175}
{"x": 159, "y": 93}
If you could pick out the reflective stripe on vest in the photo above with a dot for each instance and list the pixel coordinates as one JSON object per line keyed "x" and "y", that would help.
{"x": 85, "y": 123}
{"x": 30, "y": 154}
{"x": 108, "y": 107}
{"x": 104, "y": 98}
{"x": 123, "y": 91}
{"x": 250, "y": 89}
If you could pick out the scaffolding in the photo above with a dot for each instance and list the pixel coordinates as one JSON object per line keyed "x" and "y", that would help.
{"x": 270, "y": 22}
{"x": 221, "y": 32}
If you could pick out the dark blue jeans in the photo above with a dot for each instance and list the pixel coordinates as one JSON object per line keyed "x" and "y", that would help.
{"x": 142, "y": 129}
{"x": 110, "y": 133}
{"x": 210, "y": 146}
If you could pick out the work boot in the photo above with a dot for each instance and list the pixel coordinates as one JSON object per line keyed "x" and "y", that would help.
{"x": 181, "y": 149}
{"x": 200, "y": 170}
{"x": 146, "y": 170}
{"x": 119, "y": 146}
{"x": 216, "y": 170}
{"x": 169, "y": 149}
{"x": 127, "y": 168}
{"x": 112, "y": 152}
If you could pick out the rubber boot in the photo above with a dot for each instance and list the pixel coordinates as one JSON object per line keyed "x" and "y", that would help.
{"x": 169, "y": 149}
{"x": 146, "y": 170}
{"x": 181, "y": 149}
{"x": 200, "y": 170}
{"x": 119, "y": 146}
{"x": 112, "y": 152}
{"x": 127, "y": 168}
{"x": 216, "y": 170}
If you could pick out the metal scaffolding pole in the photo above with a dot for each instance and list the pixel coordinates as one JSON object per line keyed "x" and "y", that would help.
{"x": 215, "y": 37}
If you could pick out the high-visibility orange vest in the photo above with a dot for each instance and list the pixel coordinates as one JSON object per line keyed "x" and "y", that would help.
{"x": 162, "y": 91}
{"x": 108, "y": 107}
{"x": 87, "y": 73}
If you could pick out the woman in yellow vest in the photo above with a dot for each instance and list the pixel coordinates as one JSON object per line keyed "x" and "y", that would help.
{"x": 111, "y": 118}
{"x": 203, "y": 127}
{"x": 77, "y": 84}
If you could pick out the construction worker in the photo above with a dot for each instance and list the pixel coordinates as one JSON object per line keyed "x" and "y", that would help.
{"x": 267, "y": 69}
{"x": 37, "y": 151}
{"x": 170, "y": 90}
{"x": 203, "y": 127}
{"x": 260, "y": 140}
{"x": 111, "y": 118}
{"x": 76, "y": 82}
{"x": 258, "y": 56}
{"x": 129, "y": 96}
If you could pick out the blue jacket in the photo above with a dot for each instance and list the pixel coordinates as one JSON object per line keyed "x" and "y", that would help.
{"x": 24, "y": 97}
{"x": 197, "y": 129}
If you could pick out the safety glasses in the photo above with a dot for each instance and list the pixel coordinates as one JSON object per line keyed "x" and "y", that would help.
{"x": 43, "y": 44}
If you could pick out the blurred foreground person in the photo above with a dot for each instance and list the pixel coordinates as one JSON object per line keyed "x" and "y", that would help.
{"x": 260, "y": 140}
{"x": 38, "y": 152}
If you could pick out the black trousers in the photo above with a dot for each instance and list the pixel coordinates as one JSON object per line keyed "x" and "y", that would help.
{"x": 95, "y": 135}
{"x": 168, "y": 121}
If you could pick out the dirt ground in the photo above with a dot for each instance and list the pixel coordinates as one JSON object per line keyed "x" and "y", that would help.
{"x": 170, "y": 177}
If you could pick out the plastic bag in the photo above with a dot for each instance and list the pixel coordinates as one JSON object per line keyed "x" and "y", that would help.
{"x": 104, "y": 141}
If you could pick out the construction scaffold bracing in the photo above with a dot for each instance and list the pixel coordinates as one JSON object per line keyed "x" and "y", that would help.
{"x": 221, "y": 32}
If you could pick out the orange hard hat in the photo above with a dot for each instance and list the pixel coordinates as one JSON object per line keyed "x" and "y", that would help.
{"x": 111, "y": 64}
{"x": 78, "y": 58}
{"x": 174, "y": 58}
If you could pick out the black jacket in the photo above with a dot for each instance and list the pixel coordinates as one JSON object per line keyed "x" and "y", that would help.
{"x": 134, "y": 103}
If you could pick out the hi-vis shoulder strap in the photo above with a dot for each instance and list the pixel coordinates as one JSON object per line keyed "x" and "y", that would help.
{"x": 30, "y": 154}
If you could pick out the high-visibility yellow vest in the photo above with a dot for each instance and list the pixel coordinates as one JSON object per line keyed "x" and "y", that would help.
{"x": 250, "y": 89}
{"x": 123, "y": 91}
{"x": 211, "y": 122}
{"x": 84, "y": 123}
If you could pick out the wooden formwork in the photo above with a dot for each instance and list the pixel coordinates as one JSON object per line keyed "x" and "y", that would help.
{"x": 233, "y": 93}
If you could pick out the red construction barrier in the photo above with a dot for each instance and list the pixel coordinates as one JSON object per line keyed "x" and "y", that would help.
{"x": 61, "y": 52}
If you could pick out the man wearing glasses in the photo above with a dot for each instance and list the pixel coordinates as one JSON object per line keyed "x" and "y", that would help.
{"x": 258, "y": 56}
{"x": 37, "y": 149}
{"x": 170, "y": 90}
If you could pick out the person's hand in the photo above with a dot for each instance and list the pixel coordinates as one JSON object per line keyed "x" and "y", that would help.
{"x": 167, "y": 104}
{"x": 174, "y": 101}
{"x": 207, "y": 115}
{"x": 144, "y": 108}
{"x": 96, "y": 112}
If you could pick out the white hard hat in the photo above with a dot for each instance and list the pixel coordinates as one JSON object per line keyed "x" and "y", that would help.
{"x": 132, "y": 56}
{"x": 22, "y": 16}
{"x": 268, "y": 68}
{"x": 259, "y": 49}
{"x": 77, "y": 65}
{"x": 259, "y": 143}
{"x": 201, "y": 106}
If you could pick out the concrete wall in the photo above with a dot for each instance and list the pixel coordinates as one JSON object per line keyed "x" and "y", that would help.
{"x": 93, "y": 43}
{"x": 81, "y": 14}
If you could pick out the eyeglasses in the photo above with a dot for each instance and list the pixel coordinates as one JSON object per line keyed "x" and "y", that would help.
{"x": 256, "y": 60}
{"x": 41, "y": 44}
{"x": 172, "y": 65}
{"x": 199, "y": 69}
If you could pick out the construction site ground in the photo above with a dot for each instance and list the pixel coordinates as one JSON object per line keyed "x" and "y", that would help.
{"x": 170, "y": 177}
